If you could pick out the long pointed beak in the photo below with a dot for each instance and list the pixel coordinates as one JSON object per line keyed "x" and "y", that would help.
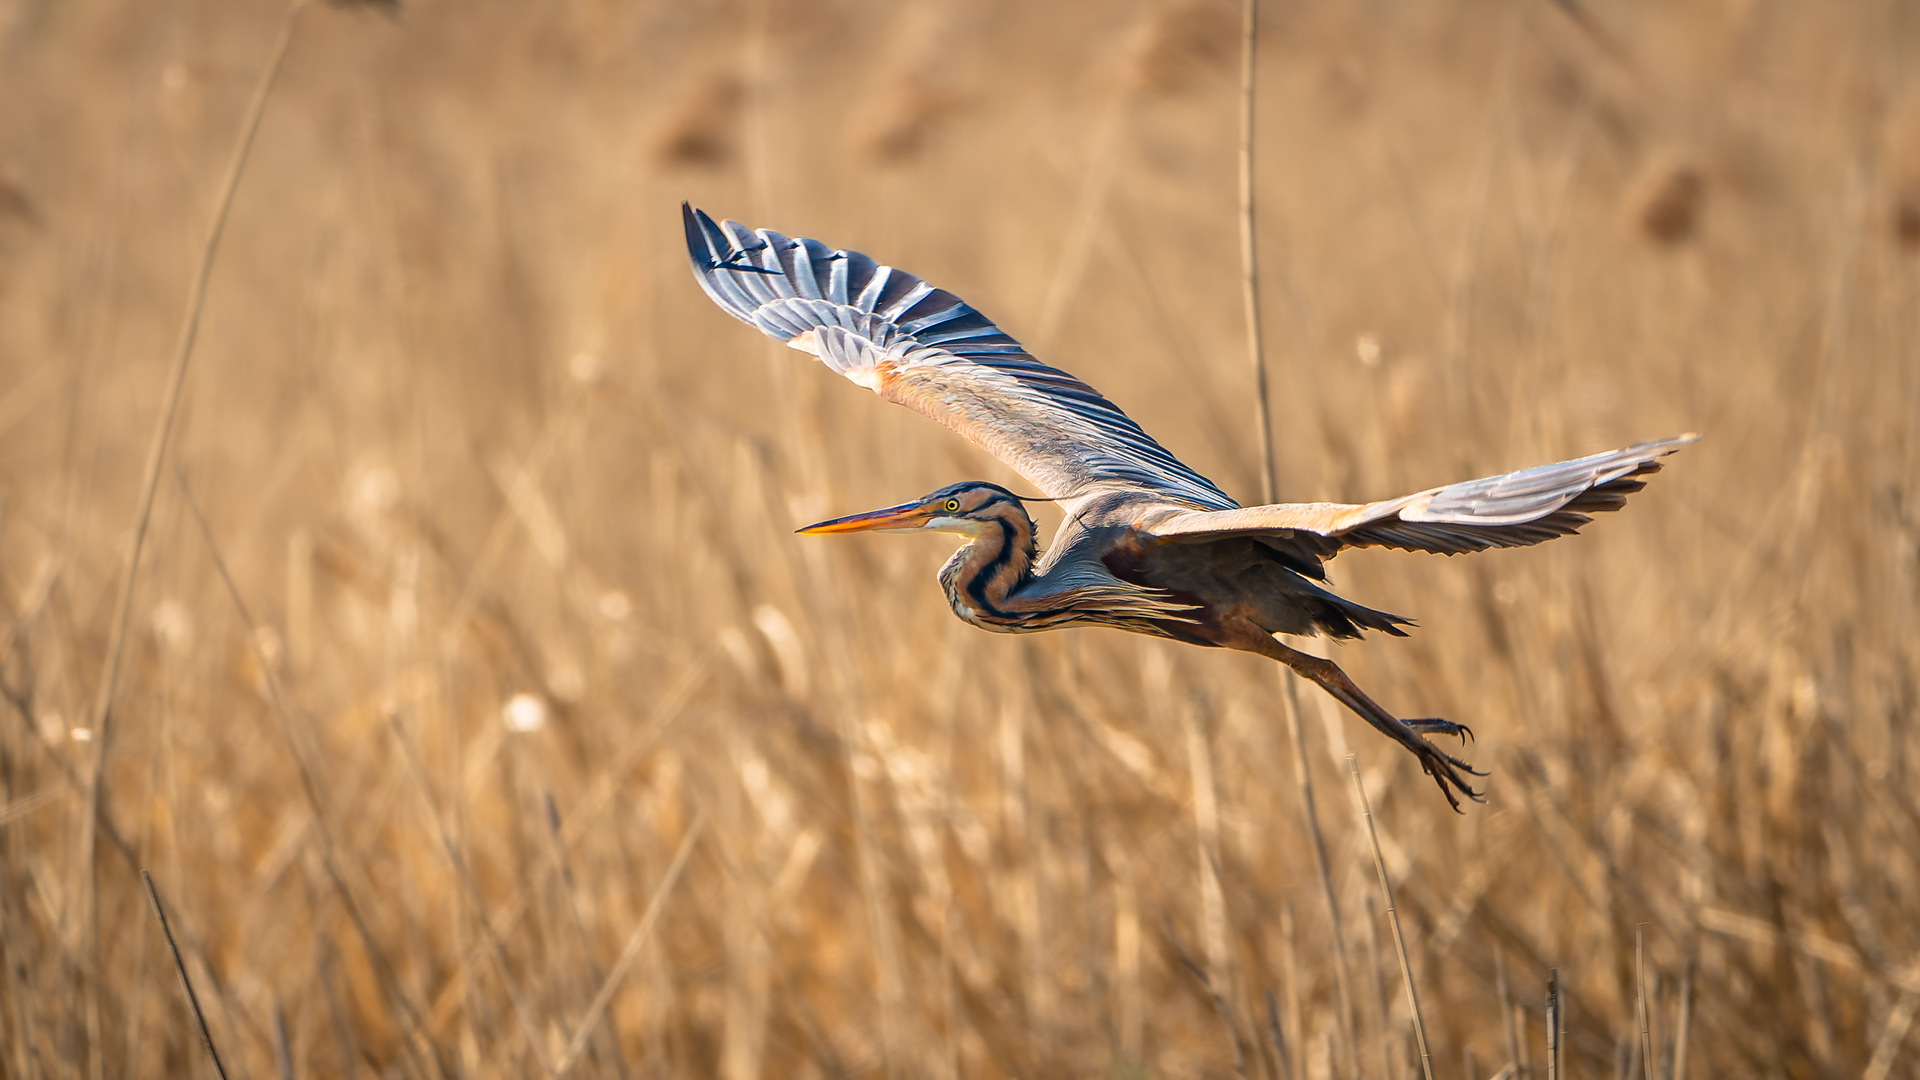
{"x": 902, "y": 518}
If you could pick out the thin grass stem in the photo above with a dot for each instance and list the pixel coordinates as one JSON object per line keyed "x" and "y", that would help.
{"x": 1277, "y": 1038}
{"x": 180, "y": 968}
{"x": 1393, "y": 919}
{"x": 1220, "y": 1006}
{"x": 1683, "y": 1024}
{"x": 1303, "y": 778}
{"x": 497, "y": 947}
{"x": 1250, "y": 249}
{"x": 143, "y": 514}
{"x": 583, "y": 1031}
{"x": 577, "y": 920}
{"x": 282, "y": 1044}
{"x": 413, "y": 1025}
{"x": 1880, "y": 1066}
{"x": 1640, "y": 983}
{"x": 1508, "y": 1027}
{"x": 1374, "y": 983}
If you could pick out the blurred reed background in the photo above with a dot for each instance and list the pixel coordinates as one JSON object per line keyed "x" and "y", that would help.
{"x": 534, "y": 693}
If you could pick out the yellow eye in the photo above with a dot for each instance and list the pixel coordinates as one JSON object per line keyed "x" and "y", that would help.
{"x": 953, "y": 505}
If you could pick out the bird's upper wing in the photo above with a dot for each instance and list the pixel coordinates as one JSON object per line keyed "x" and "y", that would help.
{"x": 1511, "y": 510}
{"x": 921, "y": 347}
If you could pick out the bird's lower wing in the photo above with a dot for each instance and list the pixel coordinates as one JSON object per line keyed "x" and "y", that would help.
{"x": 924, "y": 348}
{"x": 1511, "y": 510}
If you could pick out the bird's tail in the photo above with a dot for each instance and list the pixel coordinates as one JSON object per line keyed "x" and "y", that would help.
{"x": 1338, "y": 617}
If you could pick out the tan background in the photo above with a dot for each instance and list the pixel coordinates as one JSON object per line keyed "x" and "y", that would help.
{"x": 463, "y": 428}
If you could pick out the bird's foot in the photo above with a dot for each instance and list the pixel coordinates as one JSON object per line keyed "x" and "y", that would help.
{"x": 1445, "y": 769}
{"x": 1448, "y": 771}
{"x": 1433, "y": 725}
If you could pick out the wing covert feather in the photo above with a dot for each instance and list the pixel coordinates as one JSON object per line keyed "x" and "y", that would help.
{"x": 924, "y": 348}
{"x": 1510, "y": 510}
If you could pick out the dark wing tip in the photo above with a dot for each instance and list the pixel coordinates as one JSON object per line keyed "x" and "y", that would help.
{"x": 699, "y": 229}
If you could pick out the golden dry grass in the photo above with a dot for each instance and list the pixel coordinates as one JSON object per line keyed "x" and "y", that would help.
{"x": 464, "y": 429}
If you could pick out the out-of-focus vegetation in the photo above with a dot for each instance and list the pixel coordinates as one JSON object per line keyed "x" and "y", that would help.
{"x": 509, "y": 504}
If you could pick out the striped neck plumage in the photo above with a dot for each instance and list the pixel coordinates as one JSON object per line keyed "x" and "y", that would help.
{"x": 982, "y": 578}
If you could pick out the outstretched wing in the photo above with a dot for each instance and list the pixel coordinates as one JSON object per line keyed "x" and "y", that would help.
{"x": 1511, "y": 510}
{"x": 921, "y": 347}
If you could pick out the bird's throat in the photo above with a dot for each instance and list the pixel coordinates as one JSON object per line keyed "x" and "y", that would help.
{"x": 983, "y": 579}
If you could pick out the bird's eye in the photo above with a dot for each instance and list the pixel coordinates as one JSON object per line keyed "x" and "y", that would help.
{"x": 953, "y": 505}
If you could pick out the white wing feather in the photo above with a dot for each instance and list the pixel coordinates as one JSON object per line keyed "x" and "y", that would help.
{"x": 923, "y": 348}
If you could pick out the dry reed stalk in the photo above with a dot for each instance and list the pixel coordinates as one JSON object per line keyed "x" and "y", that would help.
{"x": 1303, "y": 779}
{"x": 25, "y": 616}
{"x": 1683, "y": 1023}
{"x": 1290, "y": 939}
{"x": 1523, "y": 1023}
{"x": 471, "y": 890}
{"x": 1221, "y": 1007}
{"x": 1554, "y": 1028}
{"x": 576, "y": 918}
{"x": 1642, "y": 1006}
{"x": 520, "y": 490}
{"x": 668, "y": 709}
{"x": 745, "y": 947}
{"x": 282, "y": 1043}
{"x": 1206, "y": 819}
{"x": 1250, "y": 249}
{"x": 1593, "y": 30}
{"x": 17, "y": 974}
{"x": 821, "y": 593}
{"x": 412, "y": 1024}
{"x": 1464, "y": 280}
{"x": 149, "y": 486}
{"x": 754, "y": 68}
{"x": 1887, "y": 1047}
{"x": 78, "y": 783}
{"x": 1277, "y": 1040}
{"x": 631, "y": 952}
{"x": 1089, "y": 206}
{"x": 826, "y": 1058}
{"x": 1076, "y": 251}
{"x": 886, "y": 944}
{"x": 1129, "y": 1002}
{"x": 180, "y": 968}
{"x": 1393, "y": 919}
{"x": 1374, "y": 981}
{"x": 136, "y": 1011}
{"x": 345, "y": 1048}
{"x": 949, "y": 997}
{"x": 1507, "y": 1026}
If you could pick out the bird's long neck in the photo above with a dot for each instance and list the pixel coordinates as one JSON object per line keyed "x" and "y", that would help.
{"x": 982, "y": 577}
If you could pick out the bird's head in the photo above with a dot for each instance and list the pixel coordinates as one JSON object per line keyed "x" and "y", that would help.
{"x": 967, "y": 508}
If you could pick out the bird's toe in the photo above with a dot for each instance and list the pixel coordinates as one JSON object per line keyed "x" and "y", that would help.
{"x": 1433, "y": 725}
{"x": 1447, "y": 771}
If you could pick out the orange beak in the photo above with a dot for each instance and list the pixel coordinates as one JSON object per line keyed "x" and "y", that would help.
{"x": 903, "y": 518}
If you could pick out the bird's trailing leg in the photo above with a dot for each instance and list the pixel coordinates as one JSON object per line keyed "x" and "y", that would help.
{"x": 1446, "y": 770}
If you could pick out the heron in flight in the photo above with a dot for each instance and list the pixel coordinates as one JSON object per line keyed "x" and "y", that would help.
{"x": 1148, "y": 544}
